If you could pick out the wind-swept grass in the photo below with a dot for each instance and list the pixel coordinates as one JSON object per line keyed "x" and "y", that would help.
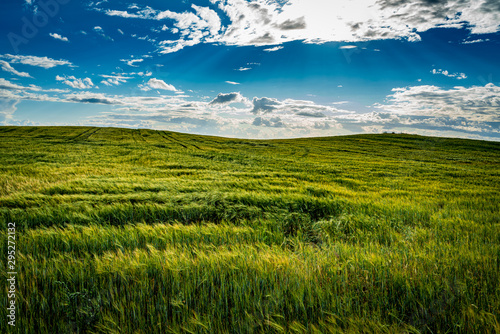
{"x": 140, "y": 231}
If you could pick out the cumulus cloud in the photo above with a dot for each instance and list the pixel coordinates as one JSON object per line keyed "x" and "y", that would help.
{"x": 476, "y": 103}
{"x": 302, "y": 108}
{"x": 73, "y": 82}
{"x": 193, "y": 27}
{"x": 154, "y": 83}
{"x": 8, "y": 68}
{"x": 59, "y": 37}
{"x": 43, "y": 62}
{"x": 274, "y": 122}
{"x": 289, "y": 24}
{"x": 430, "y": 110}
{"x": 213, "y": 22}
{"x": 224, "y": 99}
{"x": 480, "y": 17}
{"x": 265, "y": 105}
{"x": 264, "y": 22}
{"x": 458, "y": 76}
{"x": 430, "y": 125}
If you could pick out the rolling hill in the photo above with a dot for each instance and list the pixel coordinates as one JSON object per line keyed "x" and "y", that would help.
{"x": 142, "y": 231}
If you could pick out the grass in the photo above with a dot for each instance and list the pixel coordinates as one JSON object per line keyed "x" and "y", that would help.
{"x": 141, "y": 231}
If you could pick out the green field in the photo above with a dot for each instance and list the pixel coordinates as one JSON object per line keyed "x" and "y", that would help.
{"x": 141, "y": 231}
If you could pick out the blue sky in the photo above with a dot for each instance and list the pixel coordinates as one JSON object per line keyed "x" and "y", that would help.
{"x": 254, "y": 69}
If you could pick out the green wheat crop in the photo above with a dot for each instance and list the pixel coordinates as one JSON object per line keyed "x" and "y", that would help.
{"x": 141, "y": 231}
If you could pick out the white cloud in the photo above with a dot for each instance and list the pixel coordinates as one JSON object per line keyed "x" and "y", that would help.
{"x": 87, "y": 97}
{"x": 73, "y": 82}
{"x": 232, "y": 83}
{"x": 274, "y": 122}
{"x": 100, "y": 31}
{"x": 272, "y": 22}
{"x": 6, "y": 84}
{"x": 7, "y": 109}
{"x": 458, "y": 76}
{"x": 121, "y": 13}
{"x": 131, "y": 62}
{"x": 210, "y": 17}
{"x": 297, "y": 109}
{"x": 241, "y": 69}
{"x": 114, "y": 80}
{"x": 428, "y": 110}
{"x": 59, "y": 37}
{"x": 226, "y": 99}
{"x": 476, "y": 41}
{"x": 121, "y": 31}
{"x": 159, "y": 84}
{"x": 477, "y": 103}
{"x": 8, "y": 68}
{"x": 347, "y": 47}
{"x": 276, "y": 48}
{"x": 44, "y": 62}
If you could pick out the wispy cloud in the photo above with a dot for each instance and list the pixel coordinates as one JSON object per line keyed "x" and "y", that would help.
{"x": 44, "y": 62}
{"x": 132, "y": 62}
{"x": 114, "y": 80}
{"x": 87, "y": 97}
{"x": 7, "y": 109}
{"x": 276, "y": 48}
{"x": 100, "y": 31}
{"x": 232, "y": 83}
{"x": 458, "y": 76}
{"x": 476, "y": 41}
{"x": 6, "y": 84}
{"x": 8, "y": 68}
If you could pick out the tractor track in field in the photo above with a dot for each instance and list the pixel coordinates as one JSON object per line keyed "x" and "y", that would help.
{"x": 85, "y": 134}
{"x": 177, "y": 141}
{"x": 137, "y": 133}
